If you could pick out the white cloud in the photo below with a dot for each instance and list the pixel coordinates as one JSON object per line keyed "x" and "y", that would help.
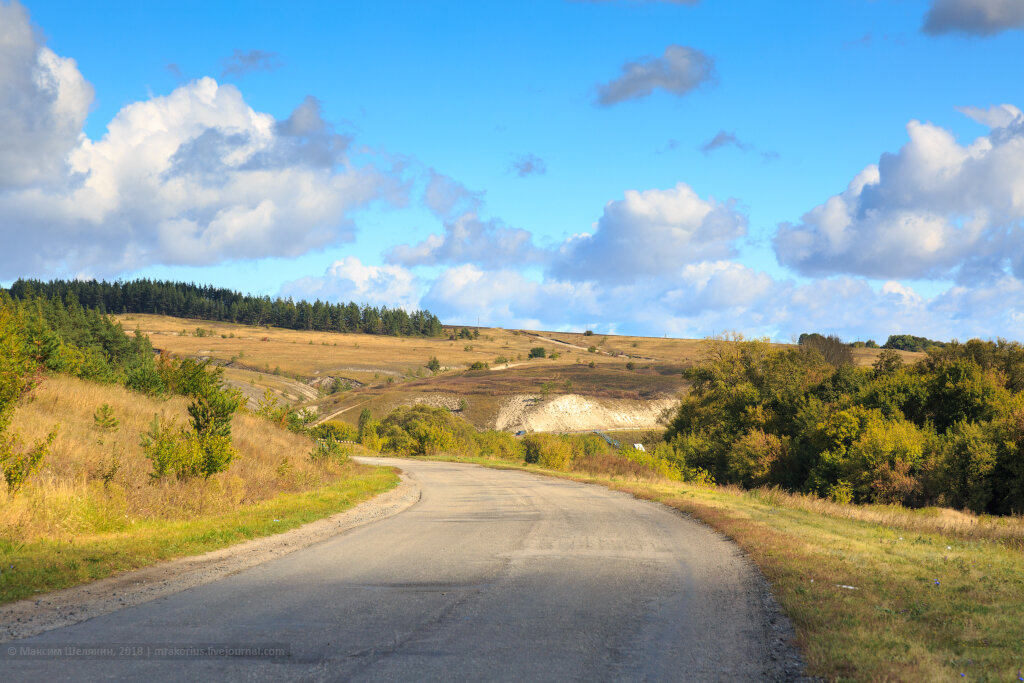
{"x": 350, "y": 280}
{"x": 194, "y": 177}
{"x": 447, "y": 198}
{"x": 651, "y": 233}
{"x": 976, "y": 17}
{"x": 996, "y": 116}
{"x": 936, "y": 209}
{"x": 718, "y": 285}
{"x": 507, "y": 298}
{"x": 44, "y": 101}
{"x": 467, "y": 237}
{"x": 678, "y": 71}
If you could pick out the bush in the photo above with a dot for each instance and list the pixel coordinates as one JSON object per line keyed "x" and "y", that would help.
{"x": 19, "y": 464}
{"x": 831, "y": 348}
{"x": 185, "y": 454}
{"x": 332, "y": 429}
{"x": 425, "y": 430}
{"x": 538, "y": 352}
{"x": 434, "y": 365}
{"x": 753, "y": 456}
{"x": 330, "y": 450}
{"x": 500, "y": 446}
{"x": 479, "y": 365}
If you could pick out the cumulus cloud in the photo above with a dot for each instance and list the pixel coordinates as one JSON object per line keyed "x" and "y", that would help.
{"x": 651, "y": 233}
{"x": 242, "y": 62}
{"x": 709, "y": 296}
{"x": 529, "y": 164}
{"x": 935, "y": 209}
{"x": 974, "y": 17}
{"x": 351, "y": 280}
{"x": 44, "y": 101}
{"x": 679, "y": 70}
{"x": 194, "y": 177}
{"x": 470, "y": 239}
{"x": 467, "y": 238}
{"x": 505, "y": 297}
{"x": 717, "y": 285}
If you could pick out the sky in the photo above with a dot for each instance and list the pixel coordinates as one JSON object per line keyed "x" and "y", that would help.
{"x": 672, "y": 167}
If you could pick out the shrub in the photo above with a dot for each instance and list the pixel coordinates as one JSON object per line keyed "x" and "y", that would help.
{"x": 538, "y": 352}
{"x": 499, "y": 445}
{"x": 434, "y": 365}
{"x": 19, "y": 464}
{"x": 479, "y": 365}
{"x": 185, "y": 454}
{"x": 332, "y": 429}
{"x": 104, "y": 419}
{"x": 753, "y": 456}
{"x": 330, "y": 450}
{"x": 831, "y": 348}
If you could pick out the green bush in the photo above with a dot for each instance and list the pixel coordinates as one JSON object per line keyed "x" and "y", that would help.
{"x": 332, "y": 429}
{"x": 538, "y": 352}
{"x": 330, "y": 450}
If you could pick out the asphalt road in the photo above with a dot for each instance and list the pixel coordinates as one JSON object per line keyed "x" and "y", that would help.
{"x": 493, "y": 575}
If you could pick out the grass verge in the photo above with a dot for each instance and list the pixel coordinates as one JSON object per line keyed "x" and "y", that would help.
{"x": 903, "y": 596}
{"x": 30, "y": 568}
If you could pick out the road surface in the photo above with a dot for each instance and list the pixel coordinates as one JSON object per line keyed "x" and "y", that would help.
{"x": 493, "y": 575}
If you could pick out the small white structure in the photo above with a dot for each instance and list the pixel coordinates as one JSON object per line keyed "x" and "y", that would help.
{"x": 639, "y": 447}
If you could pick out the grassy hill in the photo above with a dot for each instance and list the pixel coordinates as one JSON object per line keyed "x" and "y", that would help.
{"x": 93, "y": 508}
{"x": 622, "y": 373}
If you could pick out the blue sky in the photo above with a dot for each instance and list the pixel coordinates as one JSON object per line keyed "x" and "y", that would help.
{"x": 680, "y": 168}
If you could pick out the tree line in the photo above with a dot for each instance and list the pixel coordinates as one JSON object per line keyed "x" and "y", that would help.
{"x": 946, "y": 431}
{"x": 40, "y": 333}
{"x": 205, "y": 302}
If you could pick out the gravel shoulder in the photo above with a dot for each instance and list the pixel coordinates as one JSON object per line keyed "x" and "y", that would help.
{"x": 26, "y": 618}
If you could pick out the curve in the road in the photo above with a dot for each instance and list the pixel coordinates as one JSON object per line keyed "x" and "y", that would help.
{"x": 493, "y": 575}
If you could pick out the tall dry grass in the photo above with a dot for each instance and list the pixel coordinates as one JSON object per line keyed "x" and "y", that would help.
{"x": 95, "y": 481}
{"x": 959, "y": 524}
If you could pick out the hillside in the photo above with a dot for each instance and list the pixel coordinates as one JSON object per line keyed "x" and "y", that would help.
{"x": 593, "y": 381}
{"x": 93, "y": 508}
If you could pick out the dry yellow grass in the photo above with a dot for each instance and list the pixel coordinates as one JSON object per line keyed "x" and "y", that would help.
{"x": 68, "y": 497}
{"x": 372, "y": 359}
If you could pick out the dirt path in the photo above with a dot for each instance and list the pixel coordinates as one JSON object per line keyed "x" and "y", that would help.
{"x": 584, "y": 348}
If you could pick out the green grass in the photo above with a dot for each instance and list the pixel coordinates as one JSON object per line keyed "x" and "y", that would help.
{"x": 29, "y": 569}
{"x": 925, "y": 605}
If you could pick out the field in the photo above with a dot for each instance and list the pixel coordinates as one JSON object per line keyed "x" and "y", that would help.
{"x": 94, "y": 509}
{"x": 634, "y": 374}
